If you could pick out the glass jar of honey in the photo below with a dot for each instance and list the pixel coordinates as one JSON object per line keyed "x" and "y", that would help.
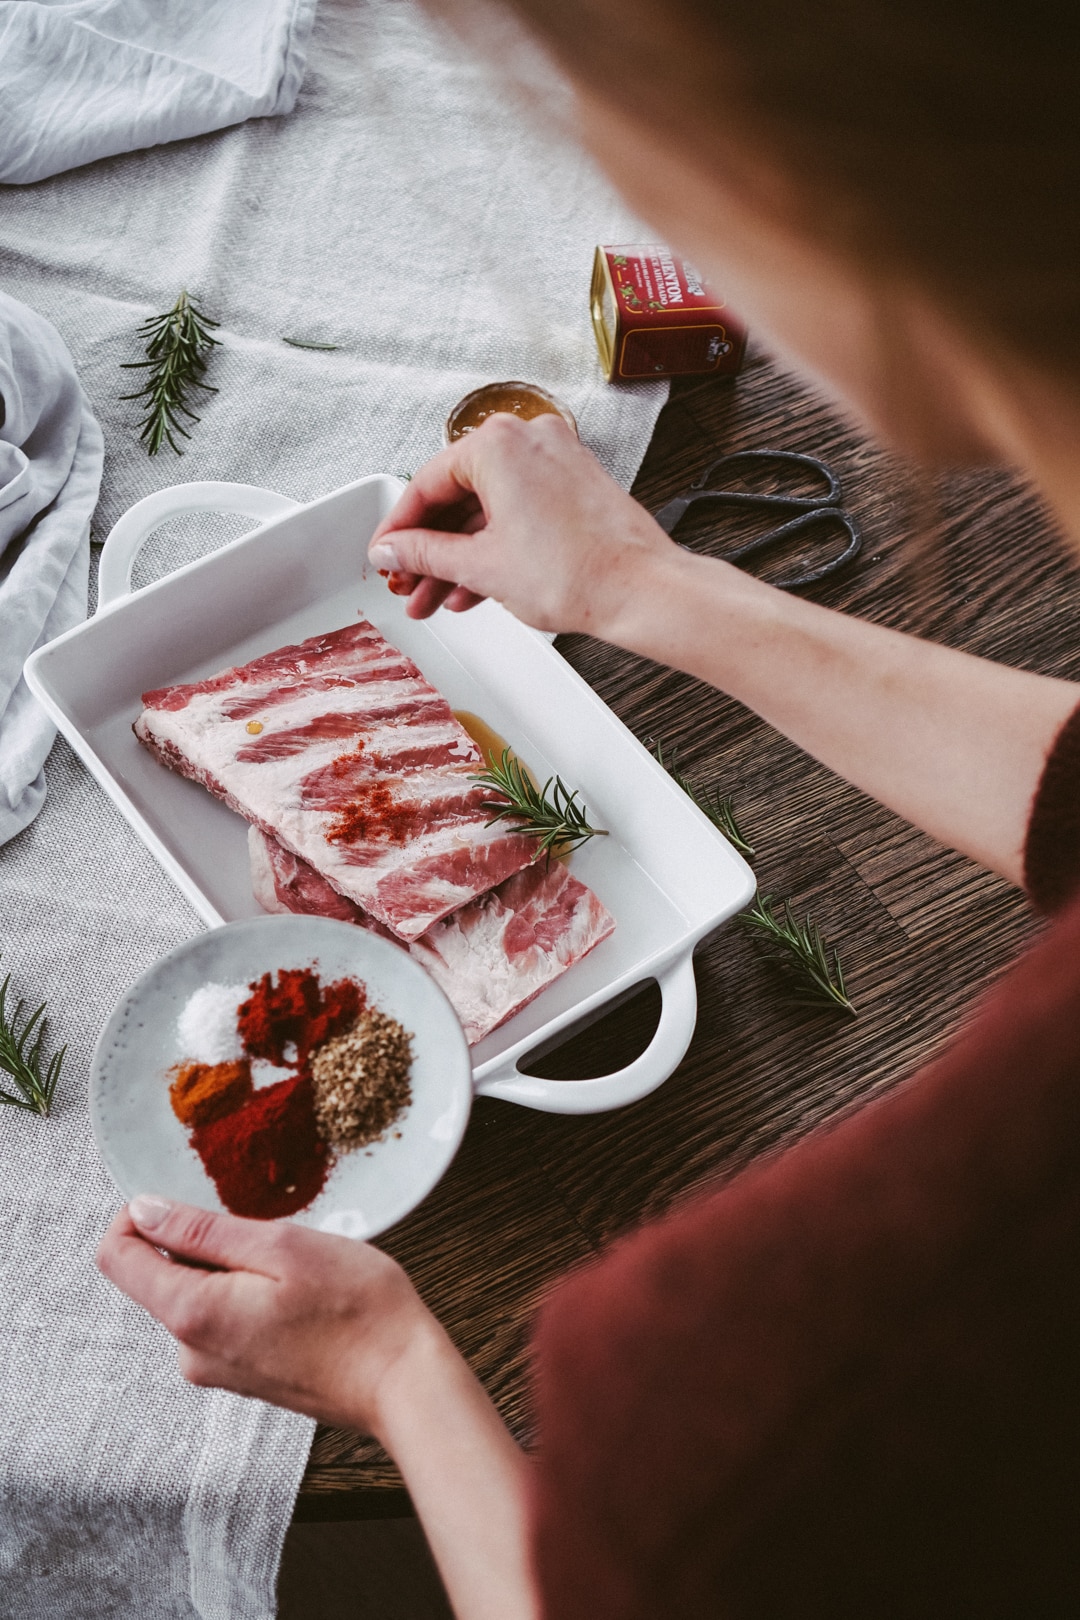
{"x": 521, "y": 399}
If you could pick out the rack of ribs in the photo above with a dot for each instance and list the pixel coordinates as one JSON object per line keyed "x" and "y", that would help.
{"x": 340, "y": 750}
{"x": 491, "y": 957}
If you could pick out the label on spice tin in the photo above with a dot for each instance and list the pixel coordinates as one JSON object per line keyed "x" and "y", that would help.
{"x": 655, "y": 316}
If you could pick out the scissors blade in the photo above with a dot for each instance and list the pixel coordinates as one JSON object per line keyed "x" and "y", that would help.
{"x": 669, "y": 514}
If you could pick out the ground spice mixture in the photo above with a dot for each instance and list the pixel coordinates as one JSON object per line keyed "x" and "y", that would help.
{"x": 266, "y": 1159}
{"x": 360, "y": 1081}
{"x": 268, "y": 1150}
{"x": 375, "y": 815}
{"x": 296, "y": 1011}
{"x": 201, "y": 1092}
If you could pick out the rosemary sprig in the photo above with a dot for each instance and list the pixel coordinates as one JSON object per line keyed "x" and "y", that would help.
{"x": 801, "y": 950}
{"x": 798, "y": 947}
{"x": 720, "y": 808}
{"x": 550, "y": 814}
{"x": 301, "y": 343}
{"x": 177, "y": 354}
{"x": 20, "y": 1057}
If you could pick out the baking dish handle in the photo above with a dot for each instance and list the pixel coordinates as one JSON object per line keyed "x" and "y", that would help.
{"x": 664, "y": 1053}
{"x": 138, "y": 523}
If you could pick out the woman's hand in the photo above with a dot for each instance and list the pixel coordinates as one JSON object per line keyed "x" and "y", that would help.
{"x": 320, "y": 1324}
{"x": 521, "y": 512}
{"x": 334, "y": 1328}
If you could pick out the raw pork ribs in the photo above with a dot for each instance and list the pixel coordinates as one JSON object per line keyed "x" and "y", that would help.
{"x": 343, "y": 751}
{"x": 491, "y": 957}
{"x": 356, "y": 778}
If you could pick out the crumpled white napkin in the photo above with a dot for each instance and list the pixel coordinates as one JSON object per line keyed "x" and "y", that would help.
{"x": 51, "y": 455}
{"x": 85, "y": 79}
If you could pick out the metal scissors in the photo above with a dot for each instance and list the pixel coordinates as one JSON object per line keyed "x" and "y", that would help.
{"x": 817, "y": 510}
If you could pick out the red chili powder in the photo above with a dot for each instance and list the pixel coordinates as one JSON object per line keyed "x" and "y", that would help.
{"x": 297, "y": 1009}
{"x": 343, "y": 764}
{"x": 373, "y": 816}
{"x": 266, "y": 1159}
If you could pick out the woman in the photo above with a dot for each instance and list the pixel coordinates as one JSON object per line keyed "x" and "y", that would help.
{"x": 856, "y": 1365}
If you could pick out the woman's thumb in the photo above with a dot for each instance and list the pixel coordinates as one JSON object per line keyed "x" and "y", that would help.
{"x": 421, "y": 552}
{"x": 200, "y": 1234}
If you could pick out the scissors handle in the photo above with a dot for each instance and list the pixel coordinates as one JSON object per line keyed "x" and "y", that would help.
{"x": 801, "y": 525}
{"x": 789, "y": 461}
{"x": 672, "y": 512}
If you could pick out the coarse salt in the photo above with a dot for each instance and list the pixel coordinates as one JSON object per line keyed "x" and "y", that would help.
{"x": 207, "y": 1028}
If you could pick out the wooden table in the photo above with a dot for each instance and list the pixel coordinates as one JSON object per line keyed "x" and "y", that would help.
{"x": 921, "y": 929}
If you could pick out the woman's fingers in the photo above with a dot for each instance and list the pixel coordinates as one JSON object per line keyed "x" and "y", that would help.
{"x": 400, "y": 584}
{"x": 520, "y": 512}
{"x": 270, "y": 1309}
{"x": 428, "y": 595}
{"x": 227, "y": 1242}
{"x": 442, "y": 483}
{"x": 461, "y": 600}
{"x": 174, "y": 1294}
{"x": 426, "y": 554}
{"x": 428, "y": 564}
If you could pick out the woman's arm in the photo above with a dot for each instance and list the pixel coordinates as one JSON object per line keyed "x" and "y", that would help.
{"x": 521, "y": 512}
{"x": 334, "y": 1328}
{"x": 955, "y": 744}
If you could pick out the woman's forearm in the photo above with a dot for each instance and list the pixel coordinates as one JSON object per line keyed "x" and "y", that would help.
{"x": 467, "y": 1478}
{"x": 953, "y": 743}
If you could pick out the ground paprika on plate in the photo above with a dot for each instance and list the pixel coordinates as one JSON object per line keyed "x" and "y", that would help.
{"x": 266, "y": 1159}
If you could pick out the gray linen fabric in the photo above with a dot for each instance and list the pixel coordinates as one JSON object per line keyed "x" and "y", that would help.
{"x": 85, "y": 79}
{"x": 408, "y": 214}
{"x": 123, "y": 1491}
{"x": 50, "y": 473}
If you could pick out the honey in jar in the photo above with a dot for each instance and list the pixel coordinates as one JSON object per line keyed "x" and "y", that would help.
{"x": 521, "y": 399}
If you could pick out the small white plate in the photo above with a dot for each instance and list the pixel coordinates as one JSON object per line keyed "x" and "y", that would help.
{"x": 144, "y": 1145}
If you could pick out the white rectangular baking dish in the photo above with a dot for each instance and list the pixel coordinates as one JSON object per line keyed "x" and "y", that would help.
{"x": 668, "y": 877}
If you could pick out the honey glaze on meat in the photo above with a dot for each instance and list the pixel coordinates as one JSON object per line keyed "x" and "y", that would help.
{"x": 486, "y": 738}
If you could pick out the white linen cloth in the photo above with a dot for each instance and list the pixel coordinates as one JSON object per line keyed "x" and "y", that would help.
{"x": 85, "y": 79}
{"x": 50, "y": 472}
{"x": 412, "y": 216}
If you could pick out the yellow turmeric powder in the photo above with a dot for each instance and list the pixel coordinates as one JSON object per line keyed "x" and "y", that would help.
{"x": 201, "y": 1092}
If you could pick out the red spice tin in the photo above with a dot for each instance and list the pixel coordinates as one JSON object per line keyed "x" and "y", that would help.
{"x": 654, "y": 316}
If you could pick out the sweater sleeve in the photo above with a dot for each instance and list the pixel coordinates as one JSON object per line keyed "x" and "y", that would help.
{"x": 1052, "y": 846}
{"x": 844, "y": 1385}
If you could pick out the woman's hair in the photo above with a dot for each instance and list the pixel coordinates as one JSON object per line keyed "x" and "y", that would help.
{"x": 931, "y": 140}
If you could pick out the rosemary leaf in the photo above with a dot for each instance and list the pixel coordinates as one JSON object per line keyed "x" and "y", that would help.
{"x": 720, "y": 808}
{"x": 20, "y": 1057}
{"x": 800, "y": 949}
{"x": 301, "y": 343}
{"x": 178, "y": 346}
{"x": 550, "y": 814}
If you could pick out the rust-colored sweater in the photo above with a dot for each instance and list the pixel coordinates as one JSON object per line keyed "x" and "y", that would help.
{"x": 848, "y": 1384}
